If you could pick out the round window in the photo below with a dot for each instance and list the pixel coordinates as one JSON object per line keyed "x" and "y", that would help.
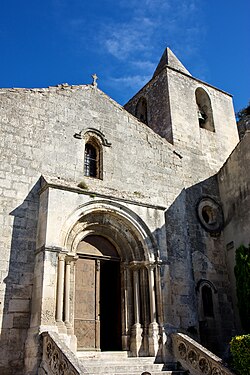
{"x": 210, "y": 214}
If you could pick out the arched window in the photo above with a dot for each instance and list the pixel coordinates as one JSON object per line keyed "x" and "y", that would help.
{"x": 207, "y": 301}
{"x": 141, "y": 111}
{"x": 92, "y": 160}
{"x": 204, "y": 110}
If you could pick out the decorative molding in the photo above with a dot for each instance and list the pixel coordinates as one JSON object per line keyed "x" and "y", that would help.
{"x": 197, "y": 359}
{"x": 210, "y": 215}
{"x": 97, "y": 132}
{"x": 57, "y": 358}
{"x": 202, "y": 282}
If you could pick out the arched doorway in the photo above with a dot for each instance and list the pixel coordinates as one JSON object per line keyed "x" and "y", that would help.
{"x": 97, "y": 317}
{"x": 116, "y": 253}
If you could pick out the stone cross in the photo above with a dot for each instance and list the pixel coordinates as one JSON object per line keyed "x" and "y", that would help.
{"x": 95, "y": 78}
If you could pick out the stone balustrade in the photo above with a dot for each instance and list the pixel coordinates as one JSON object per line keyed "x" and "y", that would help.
{"x": 57, "y": 358}
{"x": 195, "y": 358}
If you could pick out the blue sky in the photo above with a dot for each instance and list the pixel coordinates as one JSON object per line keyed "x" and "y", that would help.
{"x": 48, "y": 42}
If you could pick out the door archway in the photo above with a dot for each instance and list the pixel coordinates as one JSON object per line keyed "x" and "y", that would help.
{"x": 141, "y": 329}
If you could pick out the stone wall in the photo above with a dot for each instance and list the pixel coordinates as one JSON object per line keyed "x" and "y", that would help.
{"x": 196, "y": 257}
{"x": 234, "y": 184}
{"x": 156, "y": 93}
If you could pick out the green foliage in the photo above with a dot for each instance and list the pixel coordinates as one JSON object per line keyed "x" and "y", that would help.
{"x": 243, "y": 113}
{"x": 138, "y": 194}
{"x": 83, "y": 185}
{"x": 242, "y": 274}
{"x": 240, "y": 349}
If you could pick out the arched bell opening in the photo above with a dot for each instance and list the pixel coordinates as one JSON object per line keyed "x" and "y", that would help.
{"x": 112, "y": 242}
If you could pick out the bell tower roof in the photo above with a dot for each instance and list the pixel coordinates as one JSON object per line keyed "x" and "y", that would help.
{"x": 169, "y": 59}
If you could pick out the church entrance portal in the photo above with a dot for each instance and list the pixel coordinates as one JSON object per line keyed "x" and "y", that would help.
{"x": 97, "y": 318}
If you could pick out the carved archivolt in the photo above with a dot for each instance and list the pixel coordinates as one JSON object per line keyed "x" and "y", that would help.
{"x": 115, "y": 220}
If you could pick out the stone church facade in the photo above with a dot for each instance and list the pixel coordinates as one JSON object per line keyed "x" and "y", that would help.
{"x": 119, "y": 224}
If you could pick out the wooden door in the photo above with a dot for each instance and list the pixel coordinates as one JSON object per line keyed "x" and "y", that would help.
{"x": 86, "y": 321}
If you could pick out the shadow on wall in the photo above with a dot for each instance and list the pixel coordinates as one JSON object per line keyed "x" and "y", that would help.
{"x": 197, "y": 260}
{"x": 16, "y": 311}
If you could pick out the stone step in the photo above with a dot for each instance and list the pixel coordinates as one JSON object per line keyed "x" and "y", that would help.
{"x": 120, "y": 363}
{"x": 121, "y": 368}
{"x": 105, "y": 355}
{"x": 139, "y": 373}
{"x": 114, "y": 357}
{"x": 143, "y": 360}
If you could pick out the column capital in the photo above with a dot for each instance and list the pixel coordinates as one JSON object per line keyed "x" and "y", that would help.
{"x": 135, "y": 265}
{"x": 61, "y": 256}
{"x": 124, "y": 266}
{"x": 71, "y": 258}
{"x": 150, "y": 265}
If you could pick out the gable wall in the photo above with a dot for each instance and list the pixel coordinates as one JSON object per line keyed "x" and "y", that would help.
{"x": 37, "y": 137}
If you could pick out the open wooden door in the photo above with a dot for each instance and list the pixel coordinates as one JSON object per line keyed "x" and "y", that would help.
{"x": 97, "y": 316}
{"x": 87, "y": 324}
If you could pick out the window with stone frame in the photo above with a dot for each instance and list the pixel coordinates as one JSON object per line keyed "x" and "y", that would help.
{"x": 207, "y": 301}
{"x": 204, "y": 110}
{"x": 92, "y": 159}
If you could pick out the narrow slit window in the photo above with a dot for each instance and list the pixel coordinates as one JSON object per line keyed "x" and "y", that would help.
{"x": 90, "y": 161}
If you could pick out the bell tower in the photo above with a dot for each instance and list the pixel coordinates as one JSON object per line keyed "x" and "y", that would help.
{"x": 189, "y": 113}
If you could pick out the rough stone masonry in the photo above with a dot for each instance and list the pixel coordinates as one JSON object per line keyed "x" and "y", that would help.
{"x": 85, "y": 181}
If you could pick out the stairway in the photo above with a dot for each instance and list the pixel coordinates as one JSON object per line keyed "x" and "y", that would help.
{"x": 119, "y": 363}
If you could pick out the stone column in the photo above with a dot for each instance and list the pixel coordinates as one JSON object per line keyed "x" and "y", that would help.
{"x": 163, "y": 336}
{"x": 125, "y": 306}
{"x": 151, "y": 281}
{"x": 71, "y": 340}
{"x": 70, "y": 259}
{"x": 136, "y": 331}
{"x": 60, "y": 293}
{"x": 153, "y": 339}
{"x": 136, "y": 296}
